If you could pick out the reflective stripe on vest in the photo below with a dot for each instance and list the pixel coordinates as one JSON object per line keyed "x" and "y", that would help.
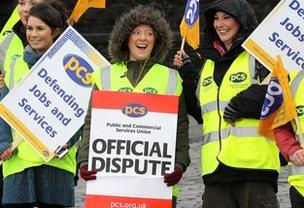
{"x": 212, "y": 106}
{"x": 296, "y": 82}
{"x": 3, "y": 48}
{"x": 237, "y": 131}
{"x": 12, "y": 73}
{"x": 296, "y": 173}
{"x": 237, "y": 146}
{"x": 106, "y": 78}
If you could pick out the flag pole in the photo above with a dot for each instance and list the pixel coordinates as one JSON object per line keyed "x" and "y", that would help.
{"x": 183, "y": 44}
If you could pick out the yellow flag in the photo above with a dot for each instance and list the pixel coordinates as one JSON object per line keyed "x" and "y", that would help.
{"x": 189, "y": 27}
{"x": 278, "y": 107}
{"x": 82, "y": 6}
{"x": 287, "y": 111}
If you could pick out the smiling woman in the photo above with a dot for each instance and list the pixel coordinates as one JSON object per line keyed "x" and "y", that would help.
{"x": 226, "y": 98}
{"x": 39, "y": 34}
{"x": 139, "y": 43}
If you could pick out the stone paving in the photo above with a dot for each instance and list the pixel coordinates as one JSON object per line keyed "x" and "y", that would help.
{"x": 191, "y": 184}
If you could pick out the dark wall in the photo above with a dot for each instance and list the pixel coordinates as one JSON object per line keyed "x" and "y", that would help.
{"x": 96, "y": 24}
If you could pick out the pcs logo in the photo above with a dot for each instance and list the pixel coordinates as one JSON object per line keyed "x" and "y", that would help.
{"x": 150, "y": 90}
{"x": 78, "y": 69}
{"x": 125, "y": 89}
{"x": 134, "y": 110}
{"x": 207, "y": 81}
{"x": 300, "y": 110}
{"x": 238, "y": 77}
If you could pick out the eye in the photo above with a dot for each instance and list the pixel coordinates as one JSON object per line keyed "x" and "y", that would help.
{"x": 149, "y": 33}
{"x": 136, "y": 32}
{"x": 40, "y": 28}
{"x": 227, "y": 17}
{"x": 29, "y": 28}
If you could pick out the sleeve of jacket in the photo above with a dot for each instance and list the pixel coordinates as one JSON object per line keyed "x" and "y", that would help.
{"x": 190, "y": 74}
{"x": 286, "y": 140}
{"x": 182, "y": 158}
{"x": 5, "y": 130}
{"x": 249, "y": 102}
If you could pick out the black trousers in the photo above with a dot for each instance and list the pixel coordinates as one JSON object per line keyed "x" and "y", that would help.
{"x": 250, "y": 194}
{"x": 296, "y": 199}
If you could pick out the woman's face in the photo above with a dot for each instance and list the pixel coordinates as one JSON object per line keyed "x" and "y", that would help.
{"x": 141, "y": 42}
{"x": 39, "y": 35}
{"x": 226, "y": 28}
{"x": 24, "y": 7}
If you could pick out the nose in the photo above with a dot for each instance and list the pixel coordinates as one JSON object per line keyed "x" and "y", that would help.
{"x": 142, "y": 36}
{"x": 219, "y": 23}
{"x": 33, "y": 33}
{"x": 26, "y": 7}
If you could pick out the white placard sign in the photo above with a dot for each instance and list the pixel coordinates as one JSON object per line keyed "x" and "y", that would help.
{"x": 280, "y": 33}
{"x": 49, "y": 105}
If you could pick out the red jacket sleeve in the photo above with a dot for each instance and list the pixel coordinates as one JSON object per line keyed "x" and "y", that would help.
{"x": 286, "y": 140}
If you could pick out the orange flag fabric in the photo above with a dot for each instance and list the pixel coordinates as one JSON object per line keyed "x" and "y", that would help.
{"x": 189, "y": 27}
{"x": 83, "y": 5}
{"x": 278, "y": 108}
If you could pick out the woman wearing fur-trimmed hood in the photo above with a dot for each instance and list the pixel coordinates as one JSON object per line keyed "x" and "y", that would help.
{"x": 138, "y": 45}
{"x": 118, "y": 44}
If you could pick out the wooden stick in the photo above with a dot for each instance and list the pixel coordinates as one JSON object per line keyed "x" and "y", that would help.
{"x": 183, "y": 44}
{"x": 266, "y": 80}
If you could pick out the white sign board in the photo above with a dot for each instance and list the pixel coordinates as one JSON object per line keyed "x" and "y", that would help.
{"x": 280, "y": 33}
{"x": 132, "y": 146}
{"x": 49, "y": 105}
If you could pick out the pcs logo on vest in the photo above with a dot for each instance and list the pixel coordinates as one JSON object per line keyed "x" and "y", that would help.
{"x": 238, "y": 77}
{"x": 300, "y": 110}
{"x": 125, "y": 89}
{"x": 134, "y": 110}
{"x": 78, "y": 69}
{"x": 150, "y": 90}
{"x": 207, "y": 81}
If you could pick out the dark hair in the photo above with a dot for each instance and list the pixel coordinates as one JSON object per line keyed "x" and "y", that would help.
{"x": 53, "y": 13}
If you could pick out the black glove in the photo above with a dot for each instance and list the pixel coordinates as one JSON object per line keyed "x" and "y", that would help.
{"x": 230, "y": 114}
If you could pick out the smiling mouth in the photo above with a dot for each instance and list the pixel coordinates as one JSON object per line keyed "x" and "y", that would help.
{"x": 141, "y": 46}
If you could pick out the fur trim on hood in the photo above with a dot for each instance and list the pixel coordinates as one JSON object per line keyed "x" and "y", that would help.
{"x": 118, "y": 43}
{"x": 238, "y": 9}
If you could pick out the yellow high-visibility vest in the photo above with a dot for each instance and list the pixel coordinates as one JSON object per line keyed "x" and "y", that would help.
{"x": 237, "y": 146}
{"x": 296, "y": 173}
